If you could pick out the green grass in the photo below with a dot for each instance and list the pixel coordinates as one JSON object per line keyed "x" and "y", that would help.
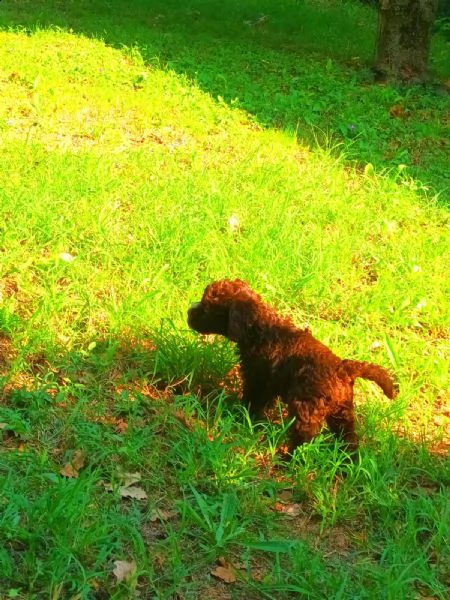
{"x": 303, "y": 67}
{"x": 128, "y": 138}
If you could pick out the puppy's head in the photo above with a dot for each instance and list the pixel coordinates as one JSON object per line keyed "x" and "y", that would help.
{"x": 226, "y": 308}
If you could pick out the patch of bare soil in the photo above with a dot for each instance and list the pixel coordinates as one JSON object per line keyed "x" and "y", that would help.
{"x": 7, "y": 354}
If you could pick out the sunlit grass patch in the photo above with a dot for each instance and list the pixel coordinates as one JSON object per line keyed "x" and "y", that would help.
{"x": 96, "y": 96}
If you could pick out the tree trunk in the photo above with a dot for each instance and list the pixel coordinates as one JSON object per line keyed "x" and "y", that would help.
{"x": 404, "y": 37}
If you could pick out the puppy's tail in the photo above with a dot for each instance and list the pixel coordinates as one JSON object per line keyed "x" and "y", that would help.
{"x": 375, "y": 373}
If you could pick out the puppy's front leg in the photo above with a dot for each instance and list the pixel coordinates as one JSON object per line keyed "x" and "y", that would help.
{"x": 254, "y": 398}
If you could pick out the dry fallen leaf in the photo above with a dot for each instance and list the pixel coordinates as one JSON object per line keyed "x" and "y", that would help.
{"x": 124, "y": 570}
{"x": 183, "y": 419}
{"x": 78, "y": 461}
{"x": 162, "y": 515}
{"x": 293, "y": 510}
{"x": 278, "y": 507}
{"x": 121, "y": 425}
{"x": 130, "y": 478}
{"x": 69, "y": 471}
{"x": 127, "y": 489}
{"x": 285, "y": 495}
{"x": 132, "y": 492}
{"x": 290, "y": 509}
{"x": 225, "y": 574}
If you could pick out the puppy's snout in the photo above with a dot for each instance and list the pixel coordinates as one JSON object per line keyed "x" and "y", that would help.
{"x": 193, "y": 310}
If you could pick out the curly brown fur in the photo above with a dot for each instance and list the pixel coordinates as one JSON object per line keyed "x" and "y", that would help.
{"x": 279, "y": 359}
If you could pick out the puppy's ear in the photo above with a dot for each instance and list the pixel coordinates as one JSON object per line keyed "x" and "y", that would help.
{"x": 240, "y": 318}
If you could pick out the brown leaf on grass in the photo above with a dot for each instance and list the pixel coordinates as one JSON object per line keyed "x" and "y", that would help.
{"x": 225, "y": 574}
{"x": 130, "y": 478}
{"x": 72, "y": 469}
{"x": 128, "y": 489}
{"x": 124, "y": 570}
{"x": 292, "y": 510}
{"x": 278, "y": 507}
{"x": 132, "y": 491}
{"x": 159, "y": 562}
{"x": 121, "y": 426}
{"x": 183, "y": 419}
{"x": 69, "y": 471}
{"x": 285, "y": 495}
{"x": 224, "y": 571}
{"x": 396, "y": 111}
{"x": 78, "y": 460}
{"x": 162, "y": 515}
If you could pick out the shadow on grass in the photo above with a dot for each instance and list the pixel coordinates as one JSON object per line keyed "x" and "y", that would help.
{"x": 113, "y": 393}
{"x": 118, "y": 377}
{"x": 168, "y": 364}
{"x": 296, "y": 66}
{"x": 114, "y": 405}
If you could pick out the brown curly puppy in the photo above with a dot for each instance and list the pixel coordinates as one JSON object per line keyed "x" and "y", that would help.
{"x": 278, "y": 359}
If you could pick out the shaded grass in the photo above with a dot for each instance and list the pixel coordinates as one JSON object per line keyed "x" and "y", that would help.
{"x": 118, "y": 181}
{"x": 394, "y": 496}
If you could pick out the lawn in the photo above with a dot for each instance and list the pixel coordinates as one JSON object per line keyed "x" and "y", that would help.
{"x": 147, "y": 149}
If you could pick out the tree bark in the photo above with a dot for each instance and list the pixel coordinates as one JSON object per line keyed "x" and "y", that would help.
{"x": 404, "y": 37}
